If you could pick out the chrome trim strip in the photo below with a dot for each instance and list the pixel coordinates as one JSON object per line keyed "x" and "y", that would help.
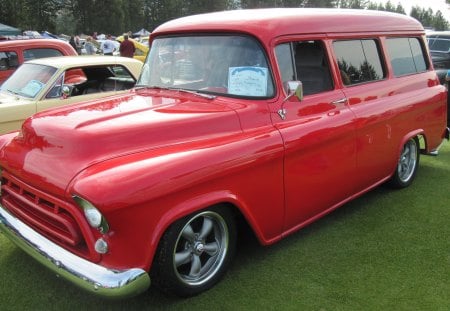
{"x": 85, "y": 274}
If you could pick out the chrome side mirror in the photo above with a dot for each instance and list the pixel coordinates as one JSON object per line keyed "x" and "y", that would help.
{"x": 65, "y": 92}
{"x": 292, "y": 88}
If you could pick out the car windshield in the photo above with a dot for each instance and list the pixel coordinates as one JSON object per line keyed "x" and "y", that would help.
{"x": 28, "y": 80}
{"x": 233, "y": 65}
{"x": 439, "y": 44}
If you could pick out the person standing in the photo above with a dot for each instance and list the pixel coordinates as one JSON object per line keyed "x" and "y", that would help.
{"x": 78, "y": 44}
{"x": 72, "y": 43}
{"x": 89, "y": 46}
{"x": 127, "y": 47}
{"x": 107, "y": 46}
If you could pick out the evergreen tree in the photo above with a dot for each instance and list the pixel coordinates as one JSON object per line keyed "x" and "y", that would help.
{"x": 439, "y": 22}
{"x": 118, "y": 16}
{"x": 389, "y": 7}
{"x": 318, "y": 3}
{"x": 400, "y": 9}
{"x": 11, "y": 13}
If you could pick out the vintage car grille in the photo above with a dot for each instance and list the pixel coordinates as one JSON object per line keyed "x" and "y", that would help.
{"x": 53, "y": 218}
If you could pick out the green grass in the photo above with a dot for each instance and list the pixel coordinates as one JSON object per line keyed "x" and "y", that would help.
{"x": 388, "y": 250}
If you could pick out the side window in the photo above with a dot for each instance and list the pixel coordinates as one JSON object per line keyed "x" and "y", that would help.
{"x": 359, "y": 61}
{"x": 8, "y": 60}
{"x": 406, "y": 56}
{"x": 305, "y": 61}
{"x": 40, "y": 53}
{"x": 285, "y": 62}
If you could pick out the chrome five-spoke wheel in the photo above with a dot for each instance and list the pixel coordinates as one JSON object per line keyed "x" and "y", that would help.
{"x": 195, "y": 252}
{"x": 201, "y": 248}
{"x": 407, "y": 164}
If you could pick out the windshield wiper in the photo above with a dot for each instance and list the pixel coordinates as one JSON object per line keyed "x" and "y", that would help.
{"x": 13, "y": 92}
{"x": 197, "y": 93}
{"x": 208, "y": 96}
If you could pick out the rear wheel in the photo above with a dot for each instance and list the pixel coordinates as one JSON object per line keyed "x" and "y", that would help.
{"x": 195, "y": 252}
{"x": 407, "y": 164}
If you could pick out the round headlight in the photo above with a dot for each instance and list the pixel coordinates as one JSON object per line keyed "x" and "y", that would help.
{"x": 93, "y": 216}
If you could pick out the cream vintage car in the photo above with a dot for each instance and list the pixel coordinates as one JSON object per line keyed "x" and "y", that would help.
{"x": 49, "y": 82}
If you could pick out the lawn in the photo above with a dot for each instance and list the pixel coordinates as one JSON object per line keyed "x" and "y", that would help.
{"x": 388, "y": 250}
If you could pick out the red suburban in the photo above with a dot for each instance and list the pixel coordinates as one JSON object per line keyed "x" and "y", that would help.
{"x": 275, "y": 117}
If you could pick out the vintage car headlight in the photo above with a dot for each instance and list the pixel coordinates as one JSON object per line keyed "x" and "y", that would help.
{"x": 92, "y": 214}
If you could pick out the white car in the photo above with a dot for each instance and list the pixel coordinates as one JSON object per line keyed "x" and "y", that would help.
{"x": 49, "y": 82}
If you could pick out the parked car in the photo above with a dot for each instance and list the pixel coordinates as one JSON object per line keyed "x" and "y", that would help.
{"x": 265, "y": 118}
{"x": 14, "y": 52}
{"x": 48, "y": 82}
{"x": 439, "y": 44}
{"x": 141, "y": 49}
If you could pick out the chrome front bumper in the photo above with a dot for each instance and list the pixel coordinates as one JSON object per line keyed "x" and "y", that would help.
{"x": 92, "y": 277}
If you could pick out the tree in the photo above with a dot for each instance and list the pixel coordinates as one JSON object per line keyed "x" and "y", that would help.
{"x": 439, "y": 22}
{"x": 319, "y": 3}
{"x": 400, "y": 9}
{"x": 29, "y": 14}
{"x": 118, "y": 16}
{"x": 133, "y": 14}
{"x": 352, "y": 4}
{"x": 389, "y": 7}
{"x": 11, "y": 12}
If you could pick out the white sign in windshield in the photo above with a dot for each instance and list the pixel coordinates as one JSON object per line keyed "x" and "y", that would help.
{"x": 247, "y": 81}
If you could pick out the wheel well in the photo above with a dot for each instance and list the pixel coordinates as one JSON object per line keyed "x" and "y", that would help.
{"x": 245, "y": 230}
{"x": 422, "y": 143}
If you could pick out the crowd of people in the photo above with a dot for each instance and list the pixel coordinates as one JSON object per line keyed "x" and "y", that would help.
{"x": 106, "y": 47}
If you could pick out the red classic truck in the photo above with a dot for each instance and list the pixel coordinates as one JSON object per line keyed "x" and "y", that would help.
{"x": 272, "y": 116}
{"x": 14, "y": 52}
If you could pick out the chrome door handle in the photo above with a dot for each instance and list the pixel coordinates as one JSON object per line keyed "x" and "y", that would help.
{"x": 340, "y": 101}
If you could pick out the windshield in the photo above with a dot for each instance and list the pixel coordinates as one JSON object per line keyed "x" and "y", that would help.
{"x": 439, "y": 44}
{"x": 233, "y": 65}
{"x": 28, "y": 80}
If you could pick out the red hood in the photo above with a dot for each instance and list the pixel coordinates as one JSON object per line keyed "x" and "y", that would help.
{"x": 56, "y": 145}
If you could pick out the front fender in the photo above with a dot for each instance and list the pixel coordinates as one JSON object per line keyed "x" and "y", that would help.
{"x": 143, "y": 193}
{"x": 6, "y": 138}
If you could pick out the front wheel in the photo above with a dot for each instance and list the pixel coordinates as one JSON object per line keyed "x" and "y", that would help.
{"x": 407, "y": 164}
{"x": 195, "y": 252}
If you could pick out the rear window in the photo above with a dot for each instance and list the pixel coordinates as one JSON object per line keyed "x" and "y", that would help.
{"x": 8, "y": 60}
{"x": 40, "y": 53}
{"x": 407, "y": 56}
{"x": 439, "y": 44}
{"x": 359, "y": 61}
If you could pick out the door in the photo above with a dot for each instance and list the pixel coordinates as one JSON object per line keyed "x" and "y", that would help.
{"x": 318, "y": 133}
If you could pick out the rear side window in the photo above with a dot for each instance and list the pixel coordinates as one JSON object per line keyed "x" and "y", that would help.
{"x": 359, "y": 61}
{"x": 406, "y": 56}
{"x": 8, "y": 60}
{"x": 40, "y": 53}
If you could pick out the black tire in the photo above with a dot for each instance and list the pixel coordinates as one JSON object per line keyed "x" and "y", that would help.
{"x": 195, "y": 252}
{"x": 407, "y": 165}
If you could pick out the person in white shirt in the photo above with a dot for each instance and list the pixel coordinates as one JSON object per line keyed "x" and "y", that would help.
{"x": 108, "y": 46}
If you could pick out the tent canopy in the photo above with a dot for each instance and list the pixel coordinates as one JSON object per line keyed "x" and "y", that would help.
{"x": 6, "y": 30}
{"x": 142, "y": 32}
